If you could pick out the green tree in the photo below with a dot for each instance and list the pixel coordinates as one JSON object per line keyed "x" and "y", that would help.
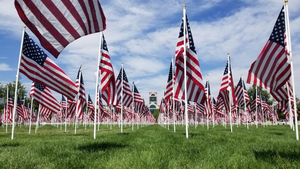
{"x": 261, "y": 93}
{"x": 156, "y": 114}
{"x": 22, "y": 92}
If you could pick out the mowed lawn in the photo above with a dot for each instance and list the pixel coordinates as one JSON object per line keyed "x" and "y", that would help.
{"x": 150, "y": 147}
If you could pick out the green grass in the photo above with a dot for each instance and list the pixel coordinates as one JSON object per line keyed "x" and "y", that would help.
{"x": 151, "y": 147}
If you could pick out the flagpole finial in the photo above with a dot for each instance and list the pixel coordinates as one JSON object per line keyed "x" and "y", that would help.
{"x": 183, "y": 6}
{"x": 286, "y": 1}
{"x": 24, "y": 27}
{"x": 228, "y": 54}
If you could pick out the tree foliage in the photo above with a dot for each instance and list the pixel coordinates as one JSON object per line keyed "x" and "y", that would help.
{"x": 156, "y": 114}
{"x": 261, "y": 93}
{"x": 22, "y": 92}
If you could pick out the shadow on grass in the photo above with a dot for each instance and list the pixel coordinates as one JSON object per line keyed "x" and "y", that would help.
{"x": 196, "y": 134}
{"x": 271, "y": 155}
{"x": 10, "y": 145}
{"x": 279, "y": 134}
{"x": 94, "y": 147}
{"x": 125, "y": 134}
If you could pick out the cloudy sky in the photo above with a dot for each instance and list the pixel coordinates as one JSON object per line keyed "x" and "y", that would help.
{"x": 143, "y": 35}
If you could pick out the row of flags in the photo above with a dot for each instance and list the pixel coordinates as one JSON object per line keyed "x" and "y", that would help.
{"x": 272, "y": 70}
{"x": 56, "y": 26}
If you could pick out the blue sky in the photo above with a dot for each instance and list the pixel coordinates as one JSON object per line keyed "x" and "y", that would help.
{"x": 143, "y": 35}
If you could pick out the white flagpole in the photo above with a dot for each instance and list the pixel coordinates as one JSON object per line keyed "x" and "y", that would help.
{"x": 31, "y": 105}
{"x": 38, "y": 118}
{"x": 185, "y": 78}
{"x": 195, "y": 116}
{"x": 256, "y": 122}
{"x": 132, "y": 113}
{"x": 111, "y": 116}
{"x": 121, "y": 120}
{"x": 173, "y": 82}
{"x": 78, "y": 94}
{"x": 213, "y": 112}
{"x": 6, "y": 108}
{"x": 245, "y": 106}
{"x": 66, "y": 115}
{"x": 16, "y": 88}
{"x": 230, "y": 90}
{"x": 292, "y": 67}
{"x": 97, "y": 79}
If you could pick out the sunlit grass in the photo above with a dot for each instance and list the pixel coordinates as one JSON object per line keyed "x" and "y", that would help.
{"x": 150, "y": 147}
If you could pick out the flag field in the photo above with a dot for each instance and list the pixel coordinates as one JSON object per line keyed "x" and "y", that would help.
{"x": 150, "y": 147}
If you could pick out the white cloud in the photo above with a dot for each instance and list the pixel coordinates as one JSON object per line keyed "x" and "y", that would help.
{"x": 143, "y": 35}
{"x": 5, "y": 67}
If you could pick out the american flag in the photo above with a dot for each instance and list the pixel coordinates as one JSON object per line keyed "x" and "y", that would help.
{"x": 64, "y": 107}
{"x": 81, "y": 100}
{"x": 195, "y": 89}
{"x": 255, "y": 102}
{"x": 209, "y": 98}
{"x": 227, "y": 87}
{"x": 71, "y": 108}
{"x": 45, "y": 113}
{"x": 170, "y": 83}
{"x": 282, "y": 96}
{"x": 271, "y": 69}
{"x": 108, "y": 83}
{"x": 138, "y": 100}
{"x": 127, "y": 94}
{"x": 44, "y": 96}
{"x": 58, "y": 23}
{"x": 38, "y": 67}
{"x": 25, "y": 110}
{"x": 162, "y": 106}
{"x": 19, "y": 108}
{"x": 242, "y": 94}
{"x": 90, "y": 104}
{"x": 10, "y": 106}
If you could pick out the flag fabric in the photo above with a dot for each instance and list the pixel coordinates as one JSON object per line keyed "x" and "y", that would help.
{"x": 195, "y": 88}
{"x": 271, "y": 70}
{"x": 108, "y": 83}
{"x": 169, "y": 87}
{"x": 127, "y": 94}
{"x": 162, "y": 106}
{"x": 91, "y": 108}
{"x": 38, "y": 67}
{"x": 138, "y": 100}
{"x": 25, "y": 110}
{"x": 242, "y": 94}
{"x": 81, "y": 100}
{"x": 45, "y": 113}
{"x": 10, "y": 106}
{"x": 44, "y": 96}
{"x": 227, "y": 87}
{"x": 71, "y": 108}
{"x": 58, "y": 23}
{"x": 90, "y": 104}
{"x": 208, "y": 97}
{"x": 64, "y": 107}
{"x": 19, "y": 108}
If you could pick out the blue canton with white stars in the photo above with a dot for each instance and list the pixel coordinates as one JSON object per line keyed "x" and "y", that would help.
{"x": 33, "y": 51}
{"x": 170, "y": 77}
{"x": 191, "y": 41}
{"x": 135, "y": 89}
{"x": 278, "y": 32}
{"x": 81, "y": 80}
{"x": 124, "y": 76}
{"x": 39, "y": 86}
{"x": 104, "y": 45}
